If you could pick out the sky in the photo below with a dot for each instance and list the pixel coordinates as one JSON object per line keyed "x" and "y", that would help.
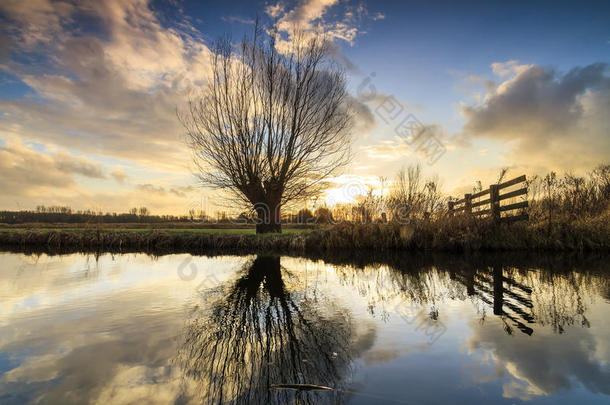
{"x": 89, "y": 92}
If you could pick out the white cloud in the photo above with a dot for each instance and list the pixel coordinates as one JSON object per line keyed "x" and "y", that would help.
{"x": 29, "y": 178}
{"x": 26, "y": 172}
{"x": 113, "y": 95}
{"x": 378, "y": 16}
{"x": 312, "y": 16}
{"x": 119, "y": 175}
{"x": 509, "y": 68}
{"x": 547, "y": 118}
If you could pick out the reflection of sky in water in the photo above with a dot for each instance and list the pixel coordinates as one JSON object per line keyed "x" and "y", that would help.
{"x": 74, "y": 329}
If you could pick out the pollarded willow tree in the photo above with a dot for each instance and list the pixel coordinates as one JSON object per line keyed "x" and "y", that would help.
{"x": 271, "y": 124}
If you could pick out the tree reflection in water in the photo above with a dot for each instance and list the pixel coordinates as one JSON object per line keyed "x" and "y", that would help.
{"x": 523, "y": 293}
{"x": 267, "y": 328}
{"x": 257, "y": 332}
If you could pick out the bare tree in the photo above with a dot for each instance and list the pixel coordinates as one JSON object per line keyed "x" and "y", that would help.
{"x": 270, "y": 126}
{"x": 406, "y": 197}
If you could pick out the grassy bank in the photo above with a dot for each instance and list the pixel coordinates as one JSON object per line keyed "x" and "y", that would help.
{"x": 449, "y": 234}
{"x": 86, "y": 230}
{"x": 148, "y": 240}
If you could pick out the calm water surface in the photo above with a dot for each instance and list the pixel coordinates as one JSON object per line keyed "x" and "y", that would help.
{"x": 186, "y": 329}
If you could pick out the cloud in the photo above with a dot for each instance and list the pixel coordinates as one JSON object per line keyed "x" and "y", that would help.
{"x": 535, "y": 100}
{"x": 113, "y": 92}
{"x": 370, "y": 103}
{"x": 535, "y": 365}
{"x": 303, "y": 15}
{"x": 27, "y": 172}
{"x": 237, "y": 19}
{"x": 68, "y": 164}
{"x": 62, "y": 348}
{"x": 159, "y": 199}
{"x": 162, "y": 191}
{"x": 119, "y": 176}
{"x": 37, "y": 21}
{"x": 553, "y": 119}
{"x": 399, "y": 147}
{"x": 275, "y": 10}
{"x": 378, "y": 16}
{"x": 29, "y": 178}
{"x": 311, "y": 16}
{"x": 503, "y": 69}
{"x": 363, "y": 116}
{"x": 106, "y": 88}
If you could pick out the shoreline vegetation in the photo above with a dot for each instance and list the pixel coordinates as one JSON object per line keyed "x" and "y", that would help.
{"x": 452, "y": 234}
{"x": 568, "y": 213}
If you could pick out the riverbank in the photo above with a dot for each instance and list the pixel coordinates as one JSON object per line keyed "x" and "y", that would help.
{"x": 451, "y": 234}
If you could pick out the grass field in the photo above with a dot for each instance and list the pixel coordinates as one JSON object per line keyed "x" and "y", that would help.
{"x": 203, "y": 231}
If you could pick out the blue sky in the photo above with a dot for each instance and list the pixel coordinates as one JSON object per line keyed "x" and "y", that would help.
{"x": 88, "y": 91}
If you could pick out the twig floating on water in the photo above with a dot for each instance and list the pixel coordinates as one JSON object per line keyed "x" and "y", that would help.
{"x": 301, "y": 387}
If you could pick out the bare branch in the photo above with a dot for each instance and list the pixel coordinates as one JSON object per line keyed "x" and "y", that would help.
{"x": 269, "y": 127}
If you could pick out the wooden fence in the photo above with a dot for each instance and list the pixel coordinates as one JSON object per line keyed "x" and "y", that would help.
{"x": 474, "y": 204}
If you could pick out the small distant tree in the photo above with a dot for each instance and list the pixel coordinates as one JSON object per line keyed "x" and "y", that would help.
{"x": 433, "y": 200}
{"x": 144, "y": 211}
{"x": 406, "y": 196}
{"x": 304, "y": 216}
{"x": 323, "y": 216}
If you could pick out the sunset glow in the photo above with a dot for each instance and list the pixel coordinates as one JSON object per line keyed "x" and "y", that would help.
{"x": 89, "y": 91}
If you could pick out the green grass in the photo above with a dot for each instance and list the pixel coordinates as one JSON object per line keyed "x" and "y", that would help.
{"x": 206, "y": 231}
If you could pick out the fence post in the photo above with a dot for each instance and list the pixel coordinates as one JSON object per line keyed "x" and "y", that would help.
{"x": 468, "y": 203}
{"x": 498, "y": 290}
{"x": 494, "y": 202}
{"x": 450, "y": 205}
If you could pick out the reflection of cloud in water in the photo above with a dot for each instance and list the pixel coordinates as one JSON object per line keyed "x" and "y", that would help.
{"x": 544, "y": 363}
{"x": 111, "y": 336}
{"x": 82, "y": 359}
{"x": 73, "y": 330}
{"x": 386, "y": 354}
{"x": 80, "y": 331}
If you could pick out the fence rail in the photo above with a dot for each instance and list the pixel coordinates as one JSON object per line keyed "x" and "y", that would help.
{"x": 492, "y": 204}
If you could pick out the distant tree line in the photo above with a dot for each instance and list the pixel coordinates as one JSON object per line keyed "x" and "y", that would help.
{"x": 64, "y": 214}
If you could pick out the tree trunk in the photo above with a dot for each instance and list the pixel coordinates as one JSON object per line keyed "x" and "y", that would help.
{"x": 266, "y": 272}
{"x": 269, "y": 218}
{"x": 268, "y": 228}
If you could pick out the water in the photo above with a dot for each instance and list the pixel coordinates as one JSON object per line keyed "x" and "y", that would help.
{"x": 133, "y": 328}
